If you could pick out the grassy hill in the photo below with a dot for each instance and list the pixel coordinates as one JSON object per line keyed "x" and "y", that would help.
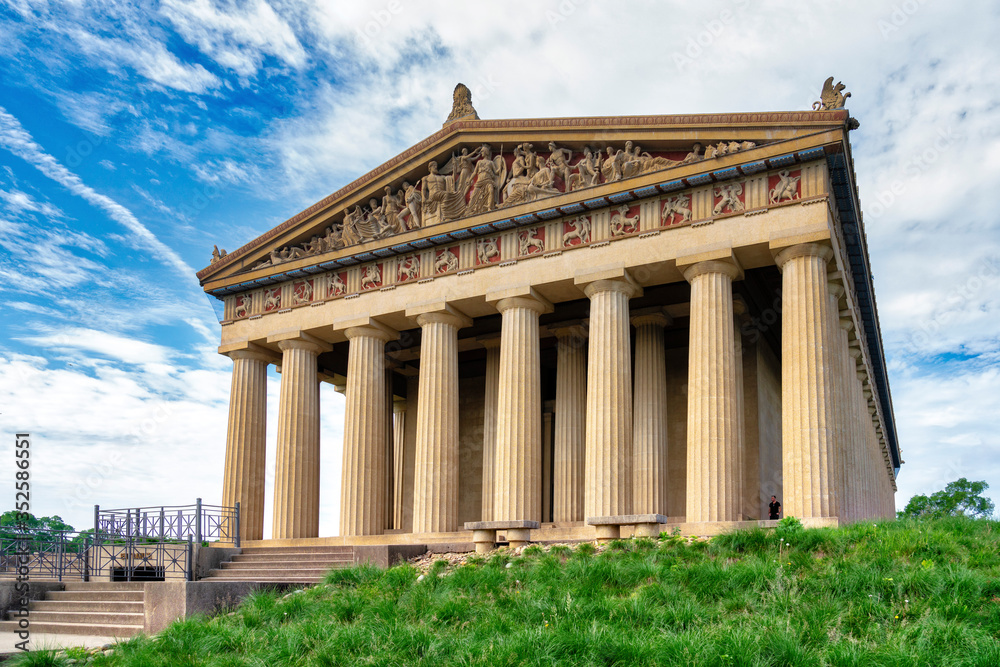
{"x": 895, "y": 593}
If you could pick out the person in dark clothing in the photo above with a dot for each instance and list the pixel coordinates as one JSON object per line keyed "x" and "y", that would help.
{"x": 773, "y": 508}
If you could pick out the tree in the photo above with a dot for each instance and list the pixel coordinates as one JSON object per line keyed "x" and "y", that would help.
{"x": 960, "y": 498}
{"x": 19, "y": 524}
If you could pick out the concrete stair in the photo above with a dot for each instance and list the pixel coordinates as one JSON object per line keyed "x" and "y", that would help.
{"x": 296, "y": 565}
{"x": 98, "y": 609}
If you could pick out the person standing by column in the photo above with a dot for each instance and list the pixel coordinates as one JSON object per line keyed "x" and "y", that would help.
{"x": 773, "y": 509}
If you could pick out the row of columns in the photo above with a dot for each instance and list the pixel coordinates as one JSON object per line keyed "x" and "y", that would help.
{"x": 609, "y": 451}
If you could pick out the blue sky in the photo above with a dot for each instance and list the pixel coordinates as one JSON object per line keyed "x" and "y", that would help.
{"x": 134, "y": 136}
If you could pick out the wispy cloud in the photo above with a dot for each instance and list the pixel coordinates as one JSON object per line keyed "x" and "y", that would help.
{"x": 16, "y": 139}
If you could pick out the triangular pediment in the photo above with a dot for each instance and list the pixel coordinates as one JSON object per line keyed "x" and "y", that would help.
{"x": 493, "y": 171}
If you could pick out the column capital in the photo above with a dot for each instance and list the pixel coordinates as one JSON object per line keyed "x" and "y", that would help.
{"x": 711, "y": 259}
{"x": 784, "y": 255}
{"x": 367, "y": 327}
{"x": 522, "y": 296}
{"x": 835, "y": 289}
{"x": 399, "y": 405}
{"x": 296, "y": 339}
{"x": 248, "y": 350}
{"x": 607, "y": 279}
{"x": 655, "y": 316}
{"x": 847, "y": 324}
{"x": 574, "y": 329}
{"x": 489, "y": 341}
{"x": 438, "y": 311}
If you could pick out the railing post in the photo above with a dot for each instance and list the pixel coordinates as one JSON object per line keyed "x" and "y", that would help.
{"x": 162, "y": 522}
{"x": 237, "y": 541}
{"x": 190, "y": 559}
{"x": 86, "y": 558}
{"x": 197, "y": 520}
{"x": 97, "y": 520}
{"x": 59, "y": 555}
{"x": 180, "y": 524}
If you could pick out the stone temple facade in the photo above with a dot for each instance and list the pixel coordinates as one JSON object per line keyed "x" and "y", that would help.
{"x": 567, "y": 328}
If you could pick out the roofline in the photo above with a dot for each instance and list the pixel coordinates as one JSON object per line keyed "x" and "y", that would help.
{"x": 744, "y": 120}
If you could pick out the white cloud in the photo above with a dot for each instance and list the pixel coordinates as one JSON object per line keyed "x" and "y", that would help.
{"x": 236, "y": 36}
{"x": 16, "y": 139}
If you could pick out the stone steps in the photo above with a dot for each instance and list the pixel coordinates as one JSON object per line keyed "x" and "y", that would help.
{"x": 294, "y": 564}
{"x": 98, "y": 609}
{"x": 97, "y": 606}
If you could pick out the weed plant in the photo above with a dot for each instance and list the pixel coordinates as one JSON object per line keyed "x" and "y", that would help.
{"x": 875, "y": 594}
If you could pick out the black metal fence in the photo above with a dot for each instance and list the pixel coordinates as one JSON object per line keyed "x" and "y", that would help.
{"x": 134, "y": 544}
{"x": 200, "y": 522}
{"x": 45, "y": 554}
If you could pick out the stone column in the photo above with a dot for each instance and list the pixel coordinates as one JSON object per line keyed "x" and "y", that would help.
{"x": 363, "y": 476}
{"x": 398, "y": 460}
{"x": 714, "y": 466}
{"x": 571, "y": 420}
{"x": 649, "y": 426}
{"x": 243, "y": 480}
{"x": 296, "y": 476}
{"x": 608, "y": 490}
{"x": 435, "y": 485}
{"x": 838, "y": 388}
{"x": 518, "y": 456}
{"x": 807, "y": 420}
{"x": 547, "y": 461}
{"x": 492, "y": 346}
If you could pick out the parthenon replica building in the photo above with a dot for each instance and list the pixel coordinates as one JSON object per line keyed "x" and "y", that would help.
{"x": 554, "y": 328}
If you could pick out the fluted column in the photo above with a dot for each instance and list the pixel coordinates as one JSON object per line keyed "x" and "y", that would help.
{"x": 518, "y": 462}
{"x": 852, "y": 446}
{"x": 838, "y": 389}
{"x": 807, "y": 428}
{"x": 296, "y": 476}
{"x": 398, "y": 460}
{"x": 571, "y": 421}
{"x": 243, "y": 479}
{"x": 366, "y": 440}
{"x": 492, "y": 346}
{"x": 649, "y": 426}
{"x": 608, "y": 491}
{"x": 714, "y": 446}
{"x": 435, "y": 485}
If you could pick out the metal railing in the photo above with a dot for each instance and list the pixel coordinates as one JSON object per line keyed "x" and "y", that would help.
{"x": 45, "y": 554}
{"x": 134, "y": 544}
{"x": 199, "y": 522}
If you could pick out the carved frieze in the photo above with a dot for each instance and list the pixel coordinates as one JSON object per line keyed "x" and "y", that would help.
{"x": 530, "y": 241}
{"x": 478, "y": 180}
{"x": 371, "y": 276}
{"x": 576, "y": 231}
{"x": 272, "y": 299}
{"x": 728, "y": 199}
{"x": 624, "y": 220}
{"x": 445, "y": 260}
{"x": 676, "y": 209}
{"x": 783, "y": 186}
{"x": 302, "y": 292}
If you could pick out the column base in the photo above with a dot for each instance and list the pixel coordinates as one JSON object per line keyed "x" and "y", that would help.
{"x": 608, "y": 528}
{"x": 484, "y": 533}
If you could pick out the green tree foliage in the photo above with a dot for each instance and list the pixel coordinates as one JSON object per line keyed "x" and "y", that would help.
{"x": 19, "y": 524}
{"x": 960, "y": 498}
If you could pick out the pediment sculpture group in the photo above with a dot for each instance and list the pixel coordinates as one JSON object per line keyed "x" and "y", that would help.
{"x": 477, "y": 181}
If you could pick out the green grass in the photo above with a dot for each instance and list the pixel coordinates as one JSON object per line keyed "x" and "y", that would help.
{"x": 898, "y": 593}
